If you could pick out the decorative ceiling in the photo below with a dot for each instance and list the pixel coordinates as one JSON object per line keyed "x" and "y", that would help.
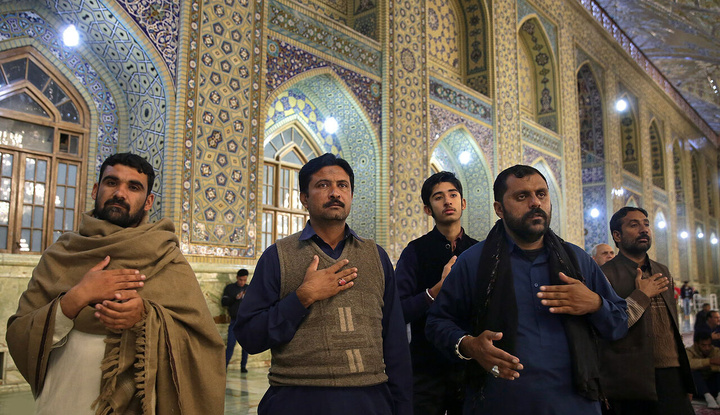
{"x": 682, "y": 39}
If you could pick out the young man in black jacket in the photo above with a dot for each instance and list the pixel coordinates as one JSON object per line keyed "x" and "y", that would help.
{"x": 233, "y": 295}
{"x": 421, "y": 271}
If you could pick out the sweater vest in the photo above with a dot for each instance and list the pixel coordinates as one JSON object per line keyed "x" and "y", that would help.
{"x": 339, "y": 343}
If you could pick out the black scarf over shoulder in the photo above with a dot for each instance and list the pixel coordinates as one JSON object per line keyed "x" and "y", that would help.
{"x": 496, "y": 308}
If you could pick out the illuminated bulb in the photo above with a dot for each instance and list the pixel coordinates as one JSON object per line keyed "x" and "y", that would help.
{"x": 662, "y": 224}
{"x": 594, "y": 213}
{"x": 714, "y": 241}
{"x": 331, "y": 125}
{"x": 464, "y": 157}
{"x": 684, "y": 235}
{"x": 700, "y": 235}
{"x": 621, "y": 105}
{"x": 71, "y": 37}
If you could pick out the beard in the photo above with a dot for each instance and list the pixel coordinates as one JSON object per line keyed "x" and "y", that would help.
{"x": 522, "y": 227}
{"x": 118, "y": 215}
{"x": 634, "y": 247}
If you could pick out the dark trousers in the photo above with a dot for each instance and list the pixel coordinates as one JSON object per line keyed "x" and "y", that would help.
{"x": 231, "y": 340}
{"x": 706, "y": 383}
{"x": 672, "y": 398}
{"x": 434, "y": 394}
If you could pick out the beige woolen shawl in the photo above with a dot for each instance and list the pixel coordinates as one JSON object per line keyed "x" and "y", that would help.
{"x": 173, "y": 358}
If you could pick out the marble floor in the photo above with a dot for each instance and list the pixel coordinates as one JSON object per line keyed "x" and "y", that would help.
{"x": 243, "y": 392}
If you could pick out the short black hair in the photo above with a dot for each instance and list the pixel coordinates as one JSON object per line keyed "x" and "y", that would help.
{"x": 709, "y": 314}
{"x": 701, "y": 336}
{"x": 130, "y": 160}
{"x": 434, "y": 180}
{"x": 617, "y": 217}
{"x": 242, "y": 272}
{"x": 519, "y": 171}
{"x": 314, "y": 165}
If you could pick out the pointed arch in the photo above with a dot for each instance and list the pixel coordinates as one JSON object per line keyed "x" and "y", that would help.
{"x": 475, "y": 175}
{"x": 695, "y": 177}
{"x": 661, "y": 231}
{"x": 630, "y": 139}
{"x": 308, "y": 99}
{"x": 632, "y": 201}
{"x": 657, "y": 151}
{"x": 533, "y": 38}
{"x": 590, "y": 111}
{"x": 556, "y": 197}
{"x": 446, "y": 38}
{"x": 700, "y": 239}
{"x": 679, "y": 180}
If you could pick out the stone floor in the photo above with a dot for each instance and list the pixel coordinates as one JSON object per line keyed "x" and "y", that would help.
{"x": 243, "y": 392}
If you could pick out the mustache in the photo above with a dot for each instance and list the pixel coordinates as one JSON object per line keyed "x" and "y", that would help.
{"x": 535, "y": 211}
{"x": 334, "y": 202}
{"x": 116, "y": 201}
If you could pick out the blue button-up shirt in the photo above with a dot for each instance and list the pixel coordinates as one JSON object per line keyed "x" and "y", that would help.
{"x": 265, "y": 320}
{"x": 545, "y": 384}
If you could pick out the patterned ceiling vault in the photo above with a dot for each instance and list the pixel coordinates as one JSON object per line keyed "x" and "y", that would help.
{"x": 105, "y": 34}
{"x": 682, "y": 38}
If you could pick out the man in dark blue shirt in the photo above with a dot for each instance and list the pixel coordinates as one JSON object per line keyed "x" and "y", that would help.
{"x": 438, "y": 383}
{"x": 524, "y": 306}
{"x": 336, "y": 333}
{"x": 233, "y": 295}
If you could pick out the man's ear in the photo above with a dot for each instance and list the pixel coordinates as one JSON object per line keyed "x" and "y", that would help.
{"x": 93, "y": 194}
{"x": 617, "y": 236}
{"x": 427, "y": 209}
{"x": 499, "y": 211}
{"x": 463, "y": 204}
{"x": 303, "y": 199}
{"x": 149, "y": 202}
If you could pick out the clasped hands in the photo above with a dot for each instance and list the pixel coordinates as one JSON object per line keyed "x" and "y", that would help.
{"x": 113, "y": 292}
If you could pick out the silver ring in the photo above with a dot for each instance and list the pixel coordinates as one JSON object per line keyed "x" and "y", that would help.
{"x": 342, "y": 282}
{"x": 495, "y": 371}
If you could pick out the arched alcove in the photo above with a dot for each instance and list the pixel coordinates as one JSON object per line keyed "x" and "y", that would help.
{"x": 310, "y": 99}
{"x": 660, "y": 239}
{"x": 695, "y": 177}
{"x": 629, "y": 137}
{"x": 474, "y": 174}
{"x": 657, "y": 151}
{"x": 555, "y": 195}
{"x": 538, "y": 56}
{"x": 592, "y": 147}
{"x": 700, "y": 239}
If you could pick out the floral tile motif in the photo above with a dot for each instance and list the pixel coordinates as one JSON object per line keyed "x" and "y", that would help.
{"x": 160, "y": 20}
{"x": 462, "y": 102}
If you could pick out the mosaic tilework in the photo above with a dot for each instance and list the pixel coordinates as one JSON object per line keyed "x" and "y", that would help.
{"x": 475, "y": 177}
{"x": 695, "y": 180}
{"x": 700, "y": 251}
{"x": 593, "y": 174}
{"x": 592, "y": 143}
{"x": 631, "y": 198}
{"x": 335, "y": 10}
{"x": 477, "y": 27}
{"x": 354, "y": 140}
{"x": 221, "y": 146}
{"x": 656, "y": 152}
{"x": 160, "y": 21}
{"x": 505, "y": 40}
{"x": 554, "y": 164}
{"x": 143, "y": 84}
{"x": 679, "y": 179}
{"x": 443, "y": 38}
{"x": 632, "y": 184}
{"x": 525, "y": 9}
{"x": 541, "y": 138}
{"x": 443, "y": 120}
{"x": 460, "y": 101}
{"x": 534, "y": 37}
{"x": 710, "y": 189}
{"x": 367, "y": 25}
{"x": 293, "y": 104}
{"x": 554, "y": 186}
{"x": 660, "y": 196}
{"x": 285, "y": 61}
{"x": 407, "y": 121}
{"x": 596, "y": 228}
{"x": 291, "y": 22}
{"x": 26, "y": 24}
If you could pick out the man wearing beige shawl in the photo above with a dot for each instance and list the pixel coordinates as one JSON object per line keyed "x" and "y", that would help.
{"x": 113, "y": 320}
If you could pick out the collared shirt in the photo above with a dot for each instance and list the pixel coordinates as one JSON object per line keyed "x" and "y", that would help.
{"x": 265, "y": 320}
{"x": 545, "y": 383}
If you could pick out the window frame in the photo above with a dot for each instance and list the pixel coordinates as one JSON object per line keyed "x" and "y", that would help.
{"x": 54, "y": 158}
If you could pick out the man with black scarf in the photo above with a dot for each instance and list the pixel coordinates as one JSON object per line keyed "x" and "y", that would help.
{"x": 526, "y": 308}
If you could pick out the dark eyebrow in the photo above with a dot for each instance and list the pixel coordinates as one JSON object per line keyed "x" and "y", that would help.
{"x": 453, "y": 190}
